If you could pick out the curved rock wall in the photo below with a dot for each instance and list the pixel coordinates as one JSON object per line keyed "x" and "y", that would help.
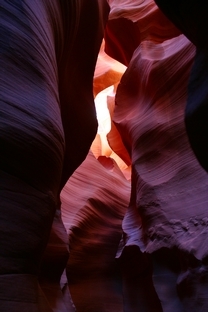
{"x": 46, "y": 128}
{"x": 167, "y": 215}
{"x": 132, "y": 230}
{"x": 94, "y": 202}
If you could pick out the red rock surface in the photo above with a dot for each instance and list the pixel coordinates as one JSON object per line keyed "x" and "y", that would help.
{"x": 167, "y": 215}
{"x": 191, "y": 18}
{"x": 94, "y": 202}
{"x": 164, "y": 167}
{"x": 46, "y": 128}
{"x": 131, "y": 229}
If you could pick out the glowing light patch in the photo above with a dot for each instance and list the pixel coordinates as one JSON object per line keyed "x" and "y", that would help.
{"x": 103, "y": 115}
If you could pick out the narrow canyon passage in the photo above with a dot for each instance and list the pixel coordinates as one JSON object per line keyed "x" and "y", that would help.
{"x": 104, "y": 156}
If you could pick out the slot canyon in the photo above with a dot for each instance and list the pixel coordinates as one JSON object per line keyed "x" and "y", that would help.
{"x": 103, "y": 156}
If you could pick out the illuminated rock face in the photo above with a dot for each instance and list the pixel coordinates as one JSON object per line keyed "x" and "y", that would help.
{"x": 126, "y": 242}
{"x": 165, "y": 170}
{"x": 94, "y": 202}
{"x": 167, "y": 214}
{"x": 169, "y": 187}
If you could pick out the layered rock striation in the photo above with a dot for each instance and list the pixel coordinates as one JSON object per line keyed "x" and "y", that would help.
{"x": 128, "y": 230}
{"x": 167, "y": 215}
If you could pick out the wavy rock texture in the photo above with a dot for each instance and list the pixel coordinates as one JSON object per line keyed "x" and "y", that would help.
{"x": 132, "y": 22}
{"x": 191, "y": 19}
{"x": 157, "y": 224}
{"x": 46, "y": 128}
{"x": 167, "y": 215}
{"x": 157, "y": 142}
{"x": 94, "y": 202}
